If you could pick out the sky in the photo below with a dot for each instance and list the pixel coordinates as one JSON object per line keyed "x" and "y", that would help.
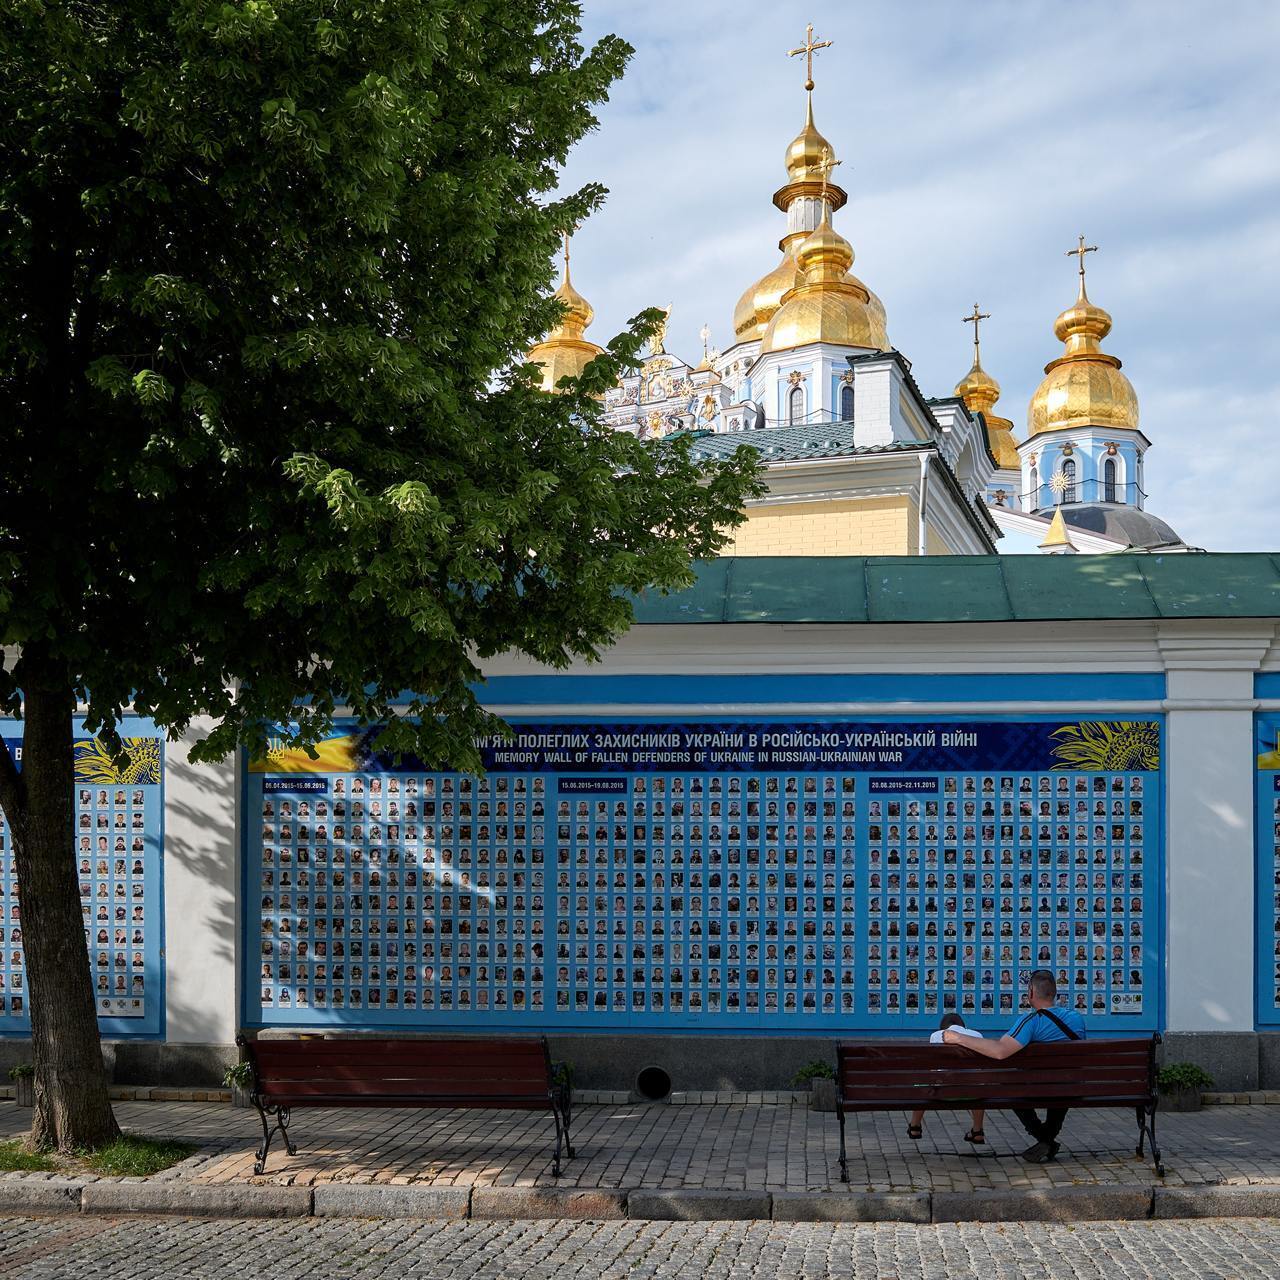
{"x": 978, "y": 140}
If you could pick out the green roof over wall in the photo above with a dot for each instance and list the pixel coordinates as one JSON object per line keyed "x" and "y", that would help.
{"x": 972, "y": 589}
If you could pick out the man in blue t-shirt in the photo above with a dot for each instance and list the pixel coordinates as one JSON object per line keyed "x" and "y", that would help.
{"x": 1043, "y": 1025}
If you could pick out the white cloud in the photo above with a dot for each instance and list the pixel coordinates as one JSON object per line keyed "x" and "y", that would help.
{"x": 977, "y": 141}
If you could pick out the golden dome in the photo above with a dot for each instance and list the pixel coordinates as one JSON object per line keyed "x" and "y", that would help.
{"x": 1083, "y": 387}
{"x": 565, "y": 352}
{"x": 980, "y": 391}
{"x": 829, "y": 304}
{"x": 807, "y": 151}
{"x": 760, "y": 300}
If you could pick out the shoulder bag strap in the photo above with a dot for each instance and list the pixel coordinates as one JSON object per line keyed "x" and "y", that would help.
{"x": 1058, "y": 1022}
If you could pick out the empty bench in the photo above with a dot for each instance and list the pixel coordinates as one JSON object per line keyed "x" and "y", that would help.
{"x": 1081, "y": 1073}
{"x": 510, "y": 1073}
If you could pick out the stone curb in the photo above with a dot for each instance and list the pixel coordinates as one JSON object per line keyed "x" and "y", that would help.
{"x": 196, "y": 1200}
{"x": 21, "y": 1195}
{"x": 1058, "y": 1204}
{"x": 600, "y": 1204}
{"x": 851, "y": 1206}
{"x": 1218, "y": 1202}
{"x": 354, "y": 1200}
{"x": 700, "y": 1206}
{"x": 43, "y": 1195}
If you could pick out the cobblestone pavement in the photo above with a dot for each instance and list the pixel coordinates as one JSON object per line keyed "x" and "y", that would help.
{"x": 735, "y": 1148}
{"x": 142, "y": 1249}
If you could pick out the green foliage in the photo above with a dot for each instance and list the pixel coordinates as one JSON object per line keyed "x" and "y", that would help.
{"x": 238, "y": 1076}
{"x": 269, "y": 270}
{"x": 1183, "y": 1075}
{"x": 562, "y": 1074}
{"x": 17, "y": 1157}
{"x": 818, "y": 1069}
{"x": 23, "y": 1071}
{"x": 133, "y": 1157}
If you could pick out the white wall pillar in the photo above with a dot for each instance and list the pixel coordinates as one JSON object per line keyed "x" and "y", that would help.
{"x": 200, "y": 897}
{"x": 1209, "y": 836}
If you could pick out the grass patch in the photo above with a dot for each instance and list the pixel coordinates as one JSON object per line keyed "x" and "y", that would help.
{"x": 17, "y": 1157}
{"x": 133, "y": 1157}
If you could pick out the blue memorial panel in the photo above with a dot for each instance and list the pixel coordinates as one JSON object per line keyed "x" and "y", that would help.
{"x": 1268, "y": 892}
{"x": 119, "y": 817}
{"x": 816, "y": 876}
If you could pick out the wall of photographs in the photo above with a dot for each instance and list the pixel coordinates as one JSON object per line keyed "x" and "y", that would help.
{"x": 819, "y": 876}
{"x": 119, "y": 818}
{"x": 1268, "y": 834}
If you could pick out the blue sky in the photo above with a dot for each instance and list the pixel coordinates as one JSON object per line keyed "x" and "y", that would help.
{"x": 978, "y": 139}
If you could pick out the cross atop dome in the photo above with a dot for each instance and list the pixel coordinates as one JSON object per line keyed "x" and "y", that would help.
{"x": 1078, "y": 253}
{"x": 809, "y": 48}
{"x": 975, "y": 319}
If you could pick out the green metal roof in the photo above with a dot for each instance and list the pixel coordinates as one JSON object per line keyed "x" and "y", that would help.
{"x": 972, "y": 589}
{"x": 792, "y": 444}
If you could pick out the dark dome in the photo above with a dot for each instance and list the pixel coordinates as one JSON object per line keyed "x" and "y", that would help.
{"x": 1124, "y": 524}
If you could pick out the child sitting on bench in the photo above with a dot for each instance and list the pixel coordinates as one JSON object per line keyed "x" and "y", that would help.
{"x": 915, "y": 1128}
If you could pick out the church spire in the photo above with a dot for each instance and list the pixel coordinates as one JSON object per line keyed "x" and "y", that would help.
{"x": 980, "y": 391}
{"x": 566, "y": 350}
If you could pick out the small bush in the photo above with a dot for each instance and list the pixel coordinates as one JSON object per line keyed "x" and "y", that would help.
{"x": 816, "y": 1070}
{"x": 23, "y": 1071}
{"x": 1183, "y": 1075}
{"x": 238, "y": 1076}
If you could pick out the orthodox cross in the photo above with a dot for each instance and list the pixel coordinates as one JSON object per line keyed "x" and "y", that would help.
{"x": 1078, "y": 253}
{"x": 828, "y": 163}
{"x": 975, "y": 320}
{"x": 809, "y": 47}
{"x": 704, "y": 333}
{"x": 565, "y": 234}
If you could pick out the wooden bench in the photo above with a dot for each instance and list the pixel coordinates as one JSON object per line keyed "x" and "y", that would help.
{"x": 1080, "y": 1073}
{"x": 511, "y": 1073}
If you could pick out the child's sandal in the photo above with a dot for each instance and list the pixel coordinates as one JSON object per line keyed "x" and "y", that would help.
{"x": 976, "y": 1136}
{"x": 915, "y": 1132}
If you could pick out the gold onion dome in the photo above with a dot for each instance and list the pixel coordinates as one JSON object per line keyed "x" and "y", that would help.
{"x": 828, "y": 304}
{"x": 565, "y": 351}
{"x": 808, "y": 151}
{"x": 980, "y": 391}
{"x": 1083, "y": 386}
{"x": 807, "y": 158}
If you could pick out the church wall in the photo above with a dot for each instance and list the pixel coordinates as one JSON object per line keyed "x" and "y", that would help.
{"x": 866, "y": 526}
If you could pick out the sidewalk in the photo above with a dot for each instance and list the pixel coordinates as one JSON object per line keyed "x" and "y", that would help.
{"x": 742, "y": 1148}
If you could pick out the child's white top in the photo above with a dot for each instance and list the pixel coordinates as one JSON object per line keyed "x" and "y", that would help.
{"x": 936, "y": 1038}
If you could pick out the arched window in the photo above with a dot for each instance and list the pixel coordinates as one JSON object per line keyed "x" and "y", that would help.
{"x": 1109, "y": 480}
{"x": 1069, "y": 480}
{"x": 846, "y": 402}
{"x": 795, "y": 406}
{"x": 1035, "y": 487}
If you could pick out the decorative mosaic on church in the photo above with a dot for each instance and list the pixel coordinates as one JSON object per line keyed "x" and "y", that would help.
{"x": 118, "y": 823}
{"x": 825, "y": 876}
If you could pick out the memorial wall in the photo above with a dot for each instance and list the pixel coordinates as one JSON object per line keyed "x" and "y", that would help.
{"x": 825, "y": 876}
{"x": 119, "y": 824}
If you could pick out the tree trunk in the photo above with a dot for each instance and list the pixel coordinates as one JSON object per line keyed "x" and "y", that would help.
{"x": 71, "y": 1105}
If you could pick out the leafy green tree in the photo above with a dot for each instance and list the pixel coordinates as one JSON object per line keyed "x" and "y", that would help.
{"x": 269, "y": 267}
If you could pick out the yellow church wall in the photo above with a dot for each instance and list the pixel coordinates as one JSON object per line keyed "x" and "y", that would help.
{"x": 855, "y": 527}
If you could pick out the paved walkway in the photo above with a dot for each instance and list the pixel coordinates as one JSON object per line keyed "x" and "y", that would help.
{"x": 731, "y": 1148}
{"x": 151, "y": 1249}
